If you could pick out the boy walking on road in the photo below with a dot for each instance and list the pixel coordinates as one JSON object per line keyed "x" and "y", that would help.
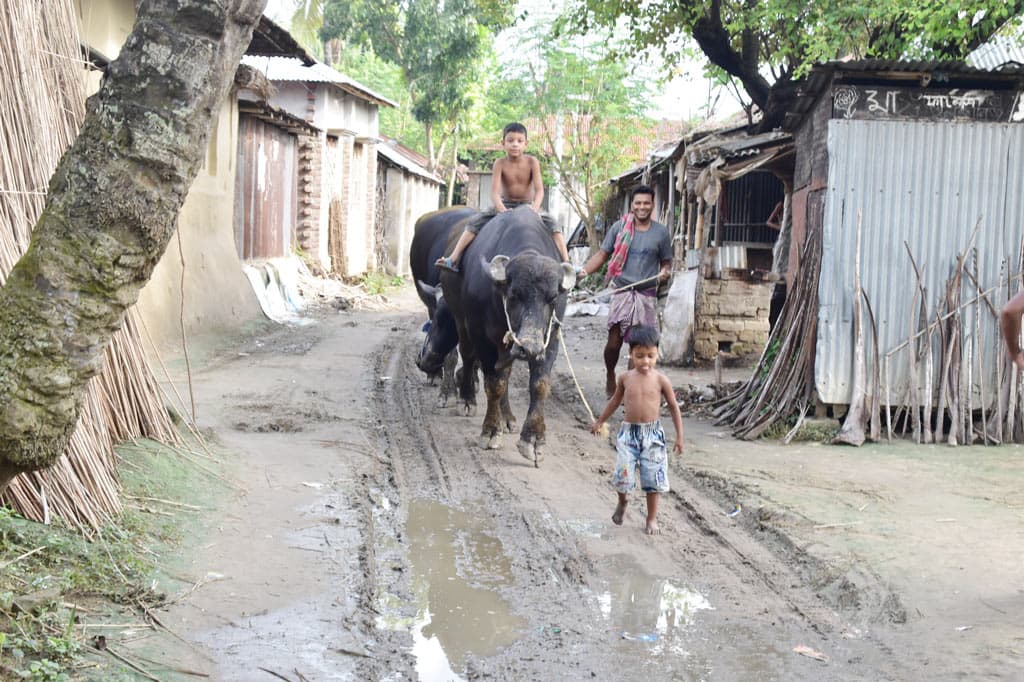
{"x": 515, "y": 180}
{"x": 641, "y": 440}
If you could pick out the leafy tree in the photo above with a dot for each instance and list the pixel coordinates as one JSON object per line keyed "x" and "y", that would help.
{"x": 111, "y": 209}
{"x": 440, "y": 48}
{"x": 386, "y": 78}
{"x": 770, "y": 44}
{"x": 306, "y": 21}
{"x": 589, "y": 110}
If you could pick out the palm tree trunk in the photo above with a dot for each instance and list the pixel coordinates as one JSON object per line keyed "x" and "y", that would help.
{"x": 111, "y": 210}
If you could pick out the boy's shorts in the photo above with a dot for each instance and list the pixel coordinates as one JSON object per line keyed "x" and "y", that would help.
{"x": 641, "y": 446}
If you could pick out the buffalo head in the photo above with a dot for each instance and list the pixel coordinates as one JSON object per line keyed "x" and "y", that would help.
{"x": 530, "y": 286}
{"x": 442, "y": 335}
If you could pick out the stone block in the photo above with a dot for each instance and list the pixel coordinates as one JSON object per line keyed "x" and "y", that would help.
{"x": 727, "y": 325}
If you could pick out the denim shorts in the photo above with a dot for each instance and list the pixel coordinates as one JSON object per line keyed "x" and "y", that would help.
{"x": 641, "y": 447}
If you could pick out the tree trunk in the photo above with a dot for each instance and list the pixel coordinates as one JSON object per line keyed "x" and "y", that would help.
{"x": 111, "y": 210}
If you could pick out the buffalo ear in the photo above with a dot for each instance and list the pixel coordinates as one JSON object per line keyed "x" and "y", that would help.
{"x": 428, "y": 290}
{"x": 568, "y": 277}
{"x": 496, "y": 268}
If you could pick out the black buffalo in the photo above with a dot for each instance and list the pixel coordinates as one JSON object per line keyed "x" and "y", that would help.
{"x": 435, "y": 234}
{"x": 508, "y": 301}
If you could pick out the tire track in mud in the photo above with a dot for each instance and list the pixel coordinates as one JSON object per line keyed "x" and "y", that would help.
{"x": 424, "y": 460}
{"x": 430, "y": 454}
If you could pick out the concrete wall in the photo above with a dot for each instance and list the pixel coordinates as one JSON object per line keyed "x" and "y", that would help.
{"x": 105, "y": 24}
{"x": 217, "y": 295}
{"x": 407, "y": 197}
{"x": 732, "y": 316}
{"x": 343, "y": 243}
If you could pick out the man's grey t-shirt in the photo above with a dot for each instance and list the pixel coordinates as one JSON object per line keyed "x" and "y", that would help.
{"x": 646, "y": 252}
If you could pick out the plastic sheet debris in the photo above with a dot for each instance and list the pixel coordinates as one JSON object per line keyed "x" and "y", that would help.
{"x": 736, "y": 509}
{"x": 810, "y": 653}
{"x": 641, "y": 636}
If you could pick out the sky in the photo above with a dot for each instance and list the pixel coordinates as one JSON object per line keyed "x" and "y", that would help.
{"x": 683, "y": 98}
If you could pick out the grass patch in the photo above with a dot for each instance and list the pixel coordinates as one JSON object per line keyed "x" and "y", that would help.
{"x": 380, "y": 283}
{"x": 811, "y": 431}
{"x": 54, "y": 581}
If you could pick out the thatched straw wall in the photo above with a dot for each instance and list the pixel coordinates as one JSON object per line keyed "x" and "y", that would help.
{"x": 43, "y": 80}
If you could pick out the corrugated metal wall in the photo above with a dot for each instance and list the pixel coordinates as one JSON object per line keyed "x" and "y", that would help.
{"x": 266, "y": 198}
{"x": 925, "y": 184}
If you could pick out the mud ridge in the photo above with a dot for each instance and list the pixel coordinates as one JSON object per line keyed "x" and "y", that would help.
{"x": 853, "y": 591}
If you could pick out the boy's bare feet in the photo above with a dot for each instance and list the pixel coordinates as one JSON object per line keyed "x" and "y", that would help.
{"x": 620, "y": 511}
{"x": 652, "y": 528}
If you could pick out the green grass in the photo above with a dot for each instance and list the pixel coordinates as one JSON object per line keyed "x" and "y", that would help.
{"x": 380, "y": 282}
{"x": 48, "y": 574}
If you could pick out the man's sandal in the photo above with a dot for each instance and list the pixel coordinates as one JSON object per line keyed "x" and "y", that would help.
{"x": 445, "y": 263}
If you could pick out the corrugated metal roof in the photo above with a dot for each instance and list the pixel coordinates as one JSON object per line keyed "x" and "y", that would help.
{"x": 926, "y": 184}
{"x": 293, "y": 70}
{"x": 937, "y": 73}
{"x": 900, "y": 66}
{"x": 734, "y": 146}
{"x": 276, "y": 116}
{"x": 396, "y": 156}
{"x": 997, "y": 53}
{"x": 269, "y": 39}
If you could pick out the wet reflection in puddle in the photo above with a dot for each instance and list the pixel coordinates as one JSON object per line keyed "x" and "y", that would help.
{"x": 457, "y": 567}
{"x": 643, "y": 608}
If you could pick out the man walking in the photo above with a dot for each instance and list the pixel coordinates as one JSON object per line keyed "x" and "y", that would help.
{"x": 640, "y": 252}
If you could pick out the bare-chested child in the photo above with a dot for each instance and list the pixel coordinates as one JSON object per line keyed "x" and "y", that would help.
{"x": 515, "y": 180}
{"x": 641, "y": 440}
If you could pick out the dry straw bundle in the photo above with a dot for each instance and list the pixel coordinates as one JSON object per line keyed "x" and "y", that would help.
{"x": 43, "y": 79}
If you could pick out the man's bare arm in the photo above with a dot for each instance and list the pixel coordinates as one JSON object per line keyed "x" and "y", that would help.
{"x": 1009, "y": 321}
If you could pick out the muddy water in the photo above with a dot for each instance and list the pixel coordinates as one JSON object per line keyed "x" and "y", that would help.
{"x": 458, "y": 568}
{"x": 657, "y": 613}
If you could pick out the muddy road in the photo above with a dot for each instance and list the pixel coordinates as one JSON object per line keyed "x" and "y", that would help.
{"x": 371, "y": 538}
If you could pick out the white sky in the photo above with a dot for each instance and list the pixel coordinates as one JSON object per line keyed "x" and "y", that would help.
{"x": 684, "y": 97}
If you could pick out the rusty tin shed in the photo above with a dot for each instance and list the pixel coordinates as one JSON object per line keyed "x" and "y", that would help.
{"x": 904, "y": 165}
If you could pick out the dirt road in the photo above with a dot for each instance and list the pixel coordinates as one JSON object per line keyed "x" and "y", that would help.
{"x": 372, "y": 539}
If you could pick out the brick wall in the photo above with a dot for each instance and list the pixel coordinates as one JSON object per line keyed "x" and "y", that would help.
{"x": 310, "y": 190}
{"x": 732, "y": 315}
{"x": 310, "y": 152}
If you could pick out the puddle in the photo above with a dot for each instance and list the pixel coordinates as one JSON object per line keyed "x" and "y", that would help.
{"x": 457, "y": 566}
{"x": 649, "y": 611}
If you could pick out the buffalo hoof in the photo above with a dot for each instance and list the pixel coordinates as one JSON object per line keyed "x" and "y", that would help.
{"x": 529, "y": 451}
{"x": 510, "y": 426}
{"x": 442, "y": 401}
{"x": 468, "y": 409}
{"x": 491, "y": 442}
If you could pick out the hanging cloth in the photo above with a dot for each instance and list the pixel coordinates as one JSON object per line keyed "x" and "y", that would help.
{"x": 621, "y": 251}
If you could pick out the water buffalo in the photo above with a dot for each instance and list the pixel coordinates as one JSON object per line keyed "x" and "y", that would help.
{"x": 434, "y": 235}
{"x": 507, "y": 302}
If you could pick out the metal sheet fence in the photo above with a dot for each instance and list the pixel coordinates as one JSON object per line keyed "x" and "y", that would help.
{"x": 922, "y": 186}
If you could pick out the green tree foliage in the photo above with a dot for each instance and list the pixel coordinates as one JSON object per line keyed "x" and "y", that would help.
{"x": 768, "y": 45}
{"x": 589, "y": 110}
{"x": 306, "y": 21}
{"x": 439, "y": 47}
{"x": 366, "y": 67}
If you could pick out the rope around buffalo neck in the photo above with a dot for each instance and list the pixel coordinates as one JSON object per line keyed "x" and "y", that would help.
{"x": 510, "y": 336}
